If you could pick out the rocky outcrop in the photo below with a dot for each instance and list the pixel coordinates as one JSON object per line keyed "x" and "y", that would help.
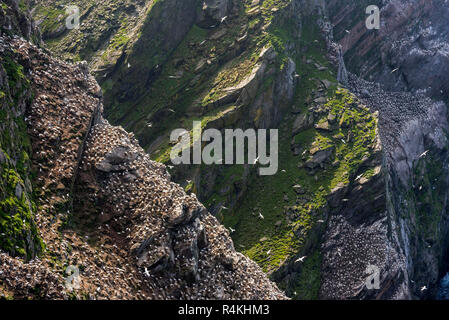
{"x": 357, "y": 188}
{"x": 181, "y": 249}
{"x": 15, "y": 20}
{"x": 411, "y": 240}
{"x": 214, "y": 12}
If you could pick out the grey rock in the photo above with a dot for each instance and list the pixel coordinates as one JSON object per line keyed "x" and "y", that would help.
{"x": 2, "y": 157}
{"x": 302, "y": 122}
{"x": 19, "y": 191}
{"x": 120, "y": 155}
{"x": 213, "y": 11}
{"x": 104, "y": 166}
{"x": 320, "y": 157}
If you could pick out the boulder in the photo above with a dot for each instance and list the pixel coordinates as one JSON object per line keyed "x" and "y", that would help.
{"x": 320, "y": 100}
{"x": 324, "y": 126}
{"x": 120, "y": 155}
{"x": 302, "y": 122}
{"x": 213, "y": 11}
{"x": 19, "y": 191}
{"x": 2, "y": 157}
{"x": 320, "y": 157}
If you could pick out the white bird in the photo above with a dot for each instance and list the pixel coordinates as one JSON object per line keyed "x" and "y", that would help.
{"x": 394, "y": 70}
{"x": 424, "y": 154}
{"x": 347, "y": 31}
{"x": 301, "y": 259}
{"x": 342, "y": 140}
{"x": 129, "y": 65}
{"x": 231, "y": 230}
{"x": 423, "y": 288}
{"x": 256, "y": 160}
{"x": 170, "y": 167}
{"x": 224, "y": 19}
{"x": 224, "y": 208}
{"x": 261, "y": 216}
{"x": 149, "y": 124}
{"x": 146, "y": 272}
{"x": 269, "y": 252}
{"x": 320, "y": 221}
{"x": 284, "y": 171}
{"x": 188, "y": 181}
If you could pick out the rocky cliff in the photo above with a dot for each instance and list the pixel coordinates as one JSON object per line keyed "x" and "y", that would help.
{"x": 362, "y": 121}
{"x": 77, "y": 191}
{"x": 407, "y": 55}
{"x": 253, "y": 64}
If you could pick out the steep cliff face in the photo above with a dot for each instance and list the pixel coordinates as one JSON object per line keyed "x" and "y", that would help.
{"x": 412, "y": 41}
{"x": 362, "y": 178}
{"x": 19, "y": 234}
{"x": 261, "y": 64}
{"x": 407, "y": 54}
{"x": 100, "y": 203}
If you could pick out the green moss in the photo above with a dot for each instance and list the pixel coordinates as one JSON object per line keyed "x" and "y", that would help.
{"x": 19, "y": 235}
{"x": 51, "y": 18}
{"x": 14, "y": 71}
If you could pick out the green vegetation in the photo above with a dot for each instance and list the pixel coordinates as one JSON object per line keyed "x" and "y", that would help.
{"x": 429, "y": 196}
{"x": 16, "y": 218}
{"x": 290, "y": 220}
{"x": 19, "y": 234}
{"x": 189, "y": 82}
{"x": 51, "y": 18}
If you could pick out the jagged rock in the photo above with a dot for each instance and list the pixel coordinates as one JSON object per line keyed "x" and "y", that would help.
{"x": 320, "y": 157}
{"x": 2, "y": 157}
{"x": 302, "y": 122}
{"x": 213, "y": 11}
{"x": 337, "y": 195}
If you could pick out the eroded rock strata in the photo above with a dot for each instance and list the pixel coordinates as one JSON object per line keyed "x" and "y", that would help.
{"x": 362, "y": 178}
